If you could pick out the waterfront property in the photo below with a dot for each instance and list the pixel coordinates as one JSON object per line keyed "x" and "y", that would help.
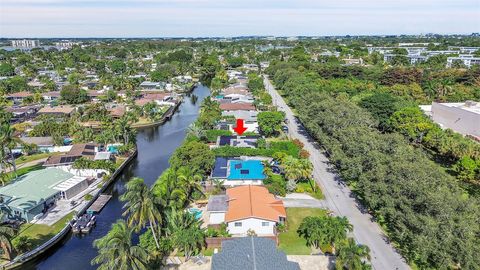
{"x": 82, "y": 150}
{"x": 34, "y": 193}
{"x": 251, "y": 253}
{"x": 247, "y": 208}
{"x": 238, "y": 141}
{"x": 239, "y": 171}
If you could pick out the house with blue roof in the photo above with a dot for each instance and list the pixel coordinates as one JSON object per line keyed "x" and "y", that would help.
{"x": 237, "y": 171}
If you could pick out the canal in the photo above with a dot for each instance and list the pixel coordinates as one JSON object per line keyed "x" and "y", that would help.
{"x": 155, "y": 146}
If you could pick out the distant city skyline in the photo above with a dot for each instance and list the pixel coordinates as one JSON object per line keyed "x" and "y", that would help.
{"x": 223, "y": 18}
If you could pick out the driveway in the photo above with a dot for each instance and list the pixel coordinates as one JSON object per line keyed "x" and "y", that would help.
{"x": 295, "y": 200}
{"x": 338, "y": 197}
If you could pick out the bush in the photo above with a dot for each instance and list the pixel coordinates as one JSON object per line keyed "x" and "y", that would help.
{"x": 23, "y": 244}
{"x": 88, "y": 197}
{"x": 212, "y": 134}
{"x": 288, "y": 147}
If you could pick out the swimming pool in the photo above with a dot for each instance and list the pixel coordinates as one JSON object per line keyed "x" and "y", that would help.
{"x": 196, "y": 212}
{"x": 246, "y": 170}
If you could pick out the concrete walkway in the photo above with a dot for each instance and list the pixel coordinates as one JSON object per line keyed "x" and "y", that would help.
{"x": 339, "y": 199}
{"x": 313, "y": 262}
{"x": 293, "y": 200}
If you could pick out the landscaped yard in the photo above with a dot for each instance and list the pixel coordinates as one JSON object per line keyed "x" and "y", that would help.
{"x": 25, "y": 159}
{"x": 22, "y": 171}
{"x": 290, "y": 242}
{"x": 40, "y": 233}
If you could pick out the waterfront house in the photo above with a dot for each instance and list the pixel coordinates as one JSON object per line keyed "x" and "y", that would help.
{"x": 250, "y": 253}
{"x": 148, "y": 85}
{"x": 34, "y": 193}
{"x": 247, "y": 208}
{"x": 237, "y": 141}
{"x": 235, "y": 171}
{"x": 85, "y": 150}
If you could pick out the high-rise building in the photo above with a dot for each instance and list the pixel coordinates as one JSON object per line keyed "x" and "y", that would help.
{"x": 25, "y": 43}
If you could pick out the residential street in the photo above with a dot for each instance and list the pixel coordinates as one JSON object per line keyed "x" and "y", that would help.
{"x": 339, "y": 198}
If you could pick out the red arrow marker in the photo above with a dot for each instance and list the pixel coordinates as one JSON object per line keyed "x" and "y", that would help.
{"x": 240, "y": 128}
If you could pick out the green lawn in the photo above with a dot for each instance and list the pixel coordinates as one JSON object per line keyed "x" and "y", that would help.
{"x": 305, "y": 187}
{"x": 40, "y": 233}
{"x": 24, "y": 159}
{"x": 290, "y": 242}
{"x": 22, "y": 171}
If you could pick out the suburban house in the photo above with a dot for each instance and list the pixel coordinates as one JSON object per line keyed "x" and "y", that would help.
{"x": 247, "y": 208}
{"x": 241, "y": 110}
{"x": 44, "y": 144}
{"x": 36, "y": 192}
{"x": 251, "y": 253}
{"x": 237, "y": 141}
{"x": 147, "y": 85}
{"x": 51, "y": 96}
{"x": 64, "y": 110}
{"x": 18, "y": 97}
{"x": 85, "y": 150}
{"x": 23, "y": 113}
{"x": 236, "y": 171}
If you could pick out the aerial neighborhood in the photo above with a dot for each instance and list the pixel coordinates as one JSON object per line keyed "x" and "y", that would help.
{"x": 351, "y": 152}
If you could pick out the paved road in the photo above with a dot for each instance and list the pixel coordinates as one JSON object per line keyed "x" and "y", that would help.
{"x": 339, "y": 198}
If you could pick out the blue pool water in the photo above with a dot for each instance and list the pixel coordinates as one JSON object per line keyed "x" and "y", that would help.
{"x": 196, "y": 212}
{"x": 243, "y": 170}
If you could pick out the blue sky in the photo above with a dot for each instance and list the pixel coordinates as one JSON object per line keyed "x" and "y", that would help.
{"x": 199, "y": 18}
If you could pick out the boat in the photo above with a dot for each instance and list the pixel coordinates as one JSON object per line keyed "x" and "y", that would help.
{"x": 84, "y": 224}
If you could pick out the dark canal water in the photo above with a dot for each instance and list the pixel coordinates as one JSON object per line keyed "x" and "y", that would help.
{"x": 155, "y": 146}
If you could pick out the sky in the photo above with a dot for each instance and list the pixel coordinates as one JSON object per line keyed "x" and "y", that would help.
{"x": 229, "y": 18}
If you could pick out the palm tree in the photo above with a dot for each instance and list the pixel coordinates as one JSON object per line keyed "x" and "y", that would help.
{"x": 142, "y": 207}
{"x": 116, "y": 251}
{"x": 168, "y": 188}
{"x": 6, "y": 235}
{"x": 7, "y": 143}
{"x": 196, "y": 130}
{"x": 324, "y": 230}
{"x": 185, "y": 232}
{"x": 189, "y": 181}
{"x": 351, "y": 256}
{"x": 297, "y": 169}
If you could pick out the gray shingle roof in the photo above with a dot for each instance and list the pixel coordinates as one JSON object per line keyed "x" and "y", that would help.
{"x": 251, "y": 253}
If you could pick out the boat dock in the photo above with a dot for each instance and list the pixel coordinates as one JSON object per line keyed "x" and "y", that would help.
{"x": 98, "y": 205}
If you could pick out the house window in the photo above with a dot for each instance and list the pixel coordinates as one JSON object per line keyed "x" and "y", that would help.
{"x": 238, "y": 224}
{"x": 265, "y": 224}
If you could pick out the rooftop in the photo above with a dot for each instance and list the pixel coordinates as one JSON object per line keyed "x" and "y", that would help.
{"x": 30, "y": 189}
{"x": 217, "y": 203}
{"x": 40, "y": 141}
{"x": 251, "y": 253}
{"x": 253, "y": 201}
{"x": 237, "y": 106}
{"x": 57, "y": 110}
{"x": 470, "y": 106}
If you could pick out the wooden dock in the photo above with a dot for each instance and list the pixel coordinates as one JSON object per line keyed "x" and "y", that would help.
{"x": 98, "y": 205}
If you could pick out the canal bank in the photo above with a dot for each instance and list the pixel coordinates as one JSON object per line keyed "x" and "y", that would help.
{"x": 155, "y": 146}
